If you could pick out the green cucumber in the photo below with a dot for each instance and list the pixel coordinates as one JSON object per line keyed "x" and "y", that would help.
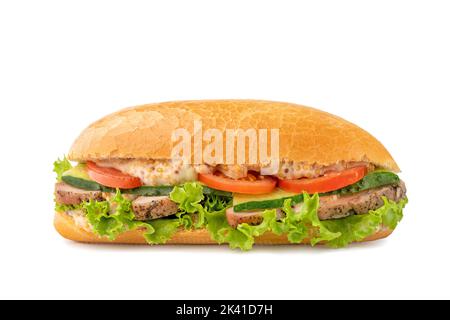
{"x": 79, "y": 178}
{"x": 82, "y": 183}
{"x": 150, "y": 190}
{"x": 220, "y": 193}
{"x": 275, "y": 199}
{"x": 166, "y": 190}
{"x": 372, "y": 180}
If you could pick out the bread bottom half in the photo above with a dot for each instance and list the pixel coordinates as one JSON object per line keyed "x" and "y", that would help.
{"x": 67, "y": 228}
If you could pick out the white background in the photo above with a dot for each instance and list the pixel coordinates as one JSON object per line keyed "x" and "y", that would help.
{"x": 381, "y": 64}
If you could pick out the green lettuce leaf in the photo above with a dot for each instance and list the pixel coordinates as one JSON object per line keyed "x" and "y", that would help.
{"x": 188, "y": 196}
{"x": 213, "y": 202}
{"x": 241, "y": 238}
{"x": 186, "y": 220}
{"x": 161, "y": 230}
{"x": 193, "y": 208}
{"x": 303, "y": 223}
{"x": 217, "y": 225}
{"x": 392, "y": 213}
{"x": 292, "y": 224}
{"x": 110, "y": 219}
{"x": 298, "y": 225}
{"x": 203, "y": 210}
{"x": 61, "y": 166}
{"x": 116, "y": 216}
{"x": 309, "y": 218}
{"x": 358, "y": 227}
{"x": 191, "y": 200}
{"x": 66, "y": 207}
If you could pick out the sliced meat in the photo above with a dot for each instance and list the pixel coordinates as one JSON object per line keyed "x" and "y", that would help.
{"x": 66, "y": 194}
{"x": 333, "y": 207}
{"x": 148, "y": 208}
{"x": 251, "y": 217}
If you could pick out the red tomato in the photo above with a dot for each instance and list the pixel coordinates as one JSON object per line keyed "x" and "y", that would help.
{"x": 111, "y": 177}
{"x": 258, "y": 185}
{"x": 329, "y": 182}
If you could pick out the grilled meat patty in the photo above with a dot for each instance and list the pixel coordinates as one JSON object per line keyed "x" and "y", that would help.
{"x": 250, "y": 217}
{"x": 66, "y": 194}
{"x": 144, "y": 208}
{"x": 148, "y": 208}
{"x": 333, "y": 206}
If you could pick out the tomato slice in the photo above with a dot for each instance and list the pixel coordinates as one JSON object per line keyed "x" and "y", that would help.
{"x": 111, "y": 177}
{"x": 253, "y": 185}
{"x": 329, "y": 182}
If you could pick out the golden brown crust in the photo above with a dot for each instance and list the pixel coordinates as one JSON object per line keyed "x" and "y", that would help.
{"x": 306, "y": 134}
{"x": 66, "y": 227}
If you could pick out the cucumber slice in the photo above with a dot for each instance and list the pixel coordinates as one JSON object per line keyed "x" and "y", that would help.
{"x": 372, "y": 180}
{"x": 275, "y": 199}
{"x": 79, "y": 178}
{"x": 149, "y": 191}
{"x": 220, "y": 193}
{"x": 82, "y": 183}
{"x": 166, "y": 190}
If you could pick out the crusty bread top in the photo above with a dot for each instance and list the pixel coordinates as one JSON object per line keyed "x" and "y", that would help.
{"x": 306, "y": 135}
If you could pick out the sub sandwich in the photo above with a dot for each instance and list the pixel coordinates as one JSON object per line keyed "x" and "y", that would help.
{"x": 236, "y": 172}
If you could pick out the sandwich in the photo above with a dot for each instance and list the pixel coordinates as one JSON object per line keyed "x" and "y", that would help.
{"x": 235, "y": 172}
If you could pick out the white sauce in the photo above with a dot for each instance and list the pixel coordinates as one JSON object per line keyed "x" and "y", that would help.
{"x": 170, "y": 172}
{"x": 154, "y": 172}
